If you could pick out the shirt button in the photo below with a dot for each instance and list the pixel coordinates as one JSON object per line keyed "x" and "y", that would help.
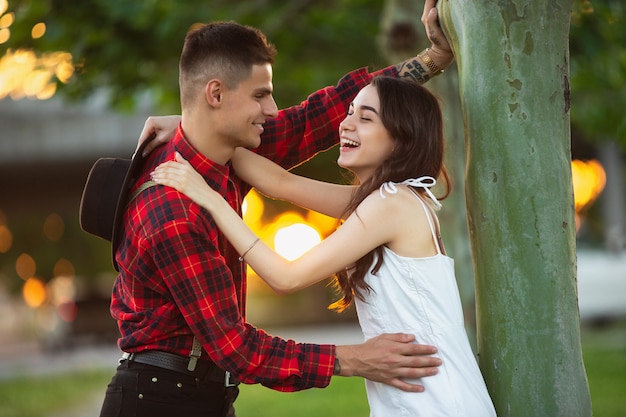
{"x": 179, "y": 385}
{"x": 154, "y": 379}
{"x": 140, "y": 396}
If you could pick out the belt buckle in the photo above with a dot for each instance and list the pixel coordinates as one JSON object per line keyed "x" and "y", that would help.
{"x": 227, "y": 382}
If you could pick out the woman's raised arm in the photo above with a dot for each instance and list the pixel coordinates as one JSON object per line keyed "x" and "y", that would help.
{"x": 276, "y": 182}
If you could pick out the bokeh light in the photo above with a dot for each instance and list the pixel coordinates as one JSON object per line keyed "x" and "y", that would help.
{"x": 64, "y": 268}
{"x": 23, "y": 73}
{"x": 252, "y": 209}
{"x": 5, "y": 23}
{"x": 294, "y": 240}
{"x": 589, "y": 179}
{"x": 35, "y": 81}
{"x": 7, "y": 20}
{"x": 38, "y": 30}
{"x": 325, "y": 224}
{"x": 6, "y": 239}
{"x": 34, "y": 292}
{"x": 62, "y": 290}
{"x": 25, "y": 266}
{"x": 54, "y": 227}
{"x": 5, "y": 34}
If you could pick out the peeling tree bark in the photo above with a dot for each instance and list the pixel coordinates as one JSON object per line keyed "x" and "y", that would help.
{"x": 513, "y": 79}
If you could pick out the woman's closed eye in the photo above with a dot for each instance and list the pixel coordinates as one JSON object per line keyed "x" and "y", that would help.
{"x": 364, "y": 118}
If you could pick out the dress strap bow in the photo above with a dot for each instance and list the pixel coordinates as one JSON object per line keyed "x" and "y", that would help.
{"x": 425, "y": 182}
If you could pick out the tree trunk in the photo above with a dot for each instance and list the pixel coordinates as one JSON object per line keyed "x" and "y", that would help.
{"x": 513, "y": 78}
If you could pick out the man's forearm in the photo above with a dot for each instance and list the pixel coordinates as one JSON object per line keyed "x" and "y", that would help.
{"x": 388, "y": 358}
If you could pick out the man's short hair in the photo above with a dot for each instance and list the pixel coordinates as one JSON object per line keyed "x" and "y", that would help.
{"x": 224, "y": 50}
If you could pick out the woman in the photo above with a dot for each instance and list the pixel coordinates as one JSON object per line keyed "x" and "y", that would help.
{"x": 388, "y": 250}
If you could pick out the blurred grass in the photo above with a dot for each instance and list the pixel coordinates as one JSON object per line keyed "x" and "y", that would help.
{"x": 604, "y": 350}
{"x": 40, "y": 396}
{"x": 344, "y": 397}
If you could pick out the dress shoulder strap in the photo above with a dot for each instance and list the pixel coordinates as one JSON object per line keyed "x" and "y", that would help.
{"x": 425, "y": 183}
{"x": 434, "y": 234}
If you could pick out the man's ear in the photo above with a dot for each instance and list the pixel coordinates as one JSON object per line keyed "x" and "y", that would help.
{"x": 213, "y": 92}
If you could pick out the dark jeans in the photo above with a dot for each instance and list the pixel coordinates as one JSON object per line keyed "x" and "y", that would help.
{"x": 138, "y": 390}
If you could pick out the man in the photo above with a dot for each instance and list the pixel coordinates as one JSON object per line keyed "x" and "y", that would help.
{"x": 180, "y": 296}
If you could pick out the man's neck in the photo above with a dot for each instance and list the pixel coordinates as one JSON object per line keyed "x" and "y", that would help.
{"x": 201, "y": 137}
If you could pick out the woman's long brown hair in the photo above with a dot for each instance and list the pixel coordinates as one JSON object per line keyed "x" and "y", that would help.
{"x": 413, "y": 118}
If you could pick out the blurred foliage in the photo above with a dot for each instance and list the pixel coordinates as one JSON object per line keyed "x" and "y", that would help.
{"x": 598, "y": 69}
{"x": 130, "y": 47}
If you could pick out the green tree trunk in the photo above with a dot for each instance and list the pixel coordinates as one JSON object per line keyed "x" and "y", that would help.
{"x": 513, "y": 78}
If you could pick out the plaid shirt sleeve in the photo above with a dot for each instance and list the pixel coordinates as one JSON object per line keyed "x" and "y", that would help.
{"x": 299, "y": 132}
{"x": 186, "y": 254}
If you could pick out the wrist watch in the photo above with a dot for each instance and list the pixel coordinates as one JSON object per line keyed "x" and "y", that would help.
{"x": 336, "y": 367}
{"x": 429, "y": 62}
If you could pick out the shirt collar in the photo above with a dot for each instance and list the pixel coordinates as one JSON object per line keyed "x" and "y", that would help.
{"x": 215, "y": 174}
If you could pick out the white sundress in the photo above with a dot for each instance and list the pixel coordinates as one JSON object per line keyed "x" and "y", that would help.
{"x": 420, "y": 296}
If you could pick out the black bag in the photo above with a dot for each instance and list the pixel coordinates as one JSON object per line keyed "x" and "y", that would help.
{"x": 105, "y": 195}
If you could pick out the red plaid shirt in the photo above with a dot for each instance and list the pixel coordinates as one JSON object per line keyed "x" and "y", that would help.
{"x": 179, "y": 276}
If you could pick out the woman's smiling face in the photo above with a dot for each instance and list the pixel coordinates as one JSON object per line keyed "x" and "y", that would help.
{"x": 364, "y": 141}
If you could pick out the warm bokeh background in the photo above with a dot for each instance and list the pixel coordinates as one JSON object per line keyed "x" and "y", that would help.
{"x": 77, "y": 80}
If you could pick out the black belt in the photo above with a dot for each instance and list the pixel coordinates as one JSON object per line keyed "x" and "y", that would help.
{"x": 204, "y": 369}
